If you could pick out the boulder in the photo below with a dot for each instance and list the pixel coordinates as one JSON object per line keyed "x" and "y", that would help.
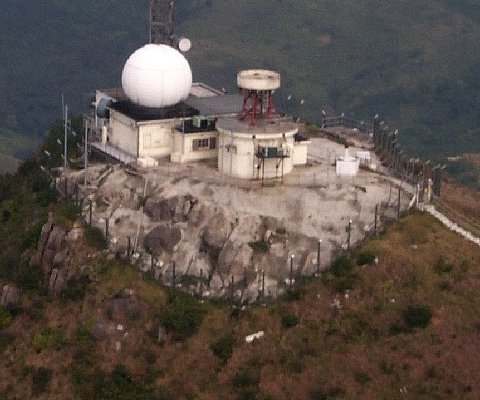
{"x": 199, "y": 214}
{"x": 62, "y": 258}
{"x": 10, "y": 296}
{"x": 57, "y": 281}
{"x": 235, "y": 259}
{"x": 103, "y": 329}
{"x": 217, "y": 232}
{"x": 162, "y": 335}
{"x": 160, "y": 211}
{"x": 52, "y": 241}
{"x": 163, "y": 238}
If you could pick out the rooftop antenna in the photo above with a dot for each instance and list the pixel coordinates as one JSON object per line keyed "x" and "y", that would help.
{"x": 162, "y": 26}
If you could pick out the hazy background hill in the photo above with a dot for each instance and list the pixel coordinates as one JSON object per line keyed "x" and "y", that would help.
{"x": 414, "y": 62}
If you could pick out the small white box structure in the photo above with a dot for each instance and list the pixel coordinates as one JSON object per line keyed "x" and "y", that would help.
{"x": 365, "y": 158}
{"x": 347, "y": 165}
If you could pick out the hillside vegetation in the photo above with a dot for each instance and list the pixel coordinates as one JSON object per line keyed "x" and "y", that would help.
{"x": 396, "y": 318}
{"x": 415, "y": 63}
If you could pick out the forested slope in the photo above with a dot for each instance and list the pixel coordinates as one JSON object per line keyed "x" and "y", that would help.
{"x": 413, "y": 62}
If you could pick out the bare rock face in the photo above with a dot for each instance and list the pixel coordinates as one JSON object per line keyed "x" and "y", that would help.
{"x": 199, "y": 214}
{"x": 235, "y": 260}
{"x": 57, "y": 282}
{"x": 217, "y": 232}
{"x": 52, "y": 241}
{"x": 10, "y": 296}
{"x": 163, "y": 238}
{"x": 160, "y": 211}
{"x": 175, "y": 208}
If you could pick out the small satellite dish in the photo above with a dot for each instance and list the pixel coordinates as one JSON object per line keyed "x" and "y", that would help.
{"x": 184, "y": 44}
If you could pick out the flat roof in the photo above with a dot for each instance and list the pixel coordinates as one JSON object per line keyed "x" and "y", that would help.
{"x": 139, "y": 113}
{"x": 274, "y": 125}
{"x": 224, "y": 104}
{"x": 200, "y": 89}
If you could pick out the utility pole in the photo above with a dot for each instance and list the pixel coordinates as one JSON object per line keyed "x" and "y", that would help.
{"x": 399, "y": 205}
{"x": 65, "y": 128}
{"x": 85, "y": 149}
{"x": 349, "y": 232}
{"x": 291, "y": 271}
{"x": 318, "y": 255}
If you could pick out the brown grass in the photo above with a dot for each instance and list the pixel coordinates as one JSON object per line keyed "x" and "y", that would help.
{"x": 353, "y": 354}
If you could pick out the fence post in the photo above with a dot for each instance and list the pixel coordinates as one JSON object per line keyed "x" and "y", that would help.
{"x": 398, "y": 205}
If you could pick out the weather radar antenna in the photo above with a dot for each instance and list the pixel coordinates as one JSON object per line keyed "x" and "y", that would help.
{"x": 162, "y": 24}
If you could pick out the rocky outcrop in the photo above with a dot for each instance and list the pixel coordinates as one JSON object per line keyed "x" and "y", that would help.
{"x": 163, "y": 238}
{"x": 57, "y": 282}
{"x": 217, "y": 232}
{"x": 235, "y": 260}
{"x": 51, "y": 242}
{"x": 10, "y": 296}
{"x": 175, "y": 208}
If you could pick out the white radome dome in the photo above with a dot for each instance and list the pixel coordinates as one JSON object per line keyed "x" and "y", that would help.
{"x": 157, "y": 75}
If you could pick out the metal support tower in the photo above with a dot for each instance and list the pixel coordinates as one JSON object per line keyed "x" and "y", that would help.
{"x": 161, "y": 22}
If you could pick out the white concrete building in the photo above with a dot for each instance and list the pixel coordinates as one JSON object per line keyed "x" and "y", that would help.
{"x": 151, "y": 119}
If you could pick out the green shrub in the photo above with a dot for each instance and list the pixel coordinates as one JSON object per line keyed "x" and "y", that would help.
{"x": 40, "y": 380}
{"x": 43, "y": 339}
{"x": 84, "y": 333}
{"x": 5, "y": 318}
{"x": 366, "y": 257}
{"x": 30, "y": 239}
{"x": 5, "y": 340}
{"x": 29, "y": 277}
{"x": 259, "y": 246}
{"x": 247, "y": 377}
{"x": 417, "y": 316}
{"x": 66, "y": 213}
{"x": 76, "y": 288}
{"x": 443, "y": 266}
{"x": 341, "y": 266}
{"x": 294, "y": 295}
{"x": 290, "y": 320}
{"x": 344, "y": 283}
{"x": 362, "y": 377}
{"x": 182, "y": 315}
{"x": 223, "y": 347}
{"x": 295, "y": 366}
{"x": 94, "y": 237}
{"x": 328, "y": 393}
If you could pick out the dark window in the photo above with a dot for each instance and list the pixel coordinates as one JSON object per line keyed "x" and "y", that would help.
{"x": 203, "y": 144}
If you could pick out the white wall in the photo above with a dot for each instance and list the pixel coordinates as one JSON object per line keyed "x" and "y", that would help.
{"x": 236, "y": 156}
{"x": 124, "y": 133}
{"x": 300, "y": 151}
{"x": 183, "y": 147}
{"x": 156, "y": 138}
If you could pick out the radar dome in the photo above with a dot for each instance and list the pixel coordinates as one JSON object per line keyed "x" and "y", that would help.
{"x": 156, "y": 76}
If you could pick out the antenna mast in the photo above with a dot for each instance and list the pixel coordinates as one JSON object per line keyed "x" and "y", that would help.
{"x": 161, "y": 22}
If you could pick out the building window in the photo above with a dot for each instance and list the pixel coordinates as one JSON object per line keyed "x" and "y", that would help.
{"x": 203, "y": 144}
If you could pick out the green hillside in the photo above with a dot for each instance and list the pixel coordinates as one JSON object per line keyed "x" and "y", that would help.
{"x": 413, "y": 62}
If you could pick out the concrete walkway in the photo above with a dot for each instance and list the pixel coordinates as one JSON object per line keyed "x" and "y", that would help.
{"x": 451, "y": 225}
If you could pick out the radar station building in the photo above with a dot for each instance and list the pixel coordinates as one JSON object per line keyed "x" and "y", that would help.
{"x": 159, "y": 113}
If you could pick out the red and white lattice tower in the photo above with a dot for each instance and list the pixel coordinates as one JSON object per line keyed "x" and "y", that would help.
{"x": 257, "y": 86}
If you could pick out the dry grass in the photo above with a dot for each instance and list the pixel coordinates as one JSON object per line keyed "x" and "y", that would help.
{"x": 462, "y": 202}
{"x": 364, "y": 351}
